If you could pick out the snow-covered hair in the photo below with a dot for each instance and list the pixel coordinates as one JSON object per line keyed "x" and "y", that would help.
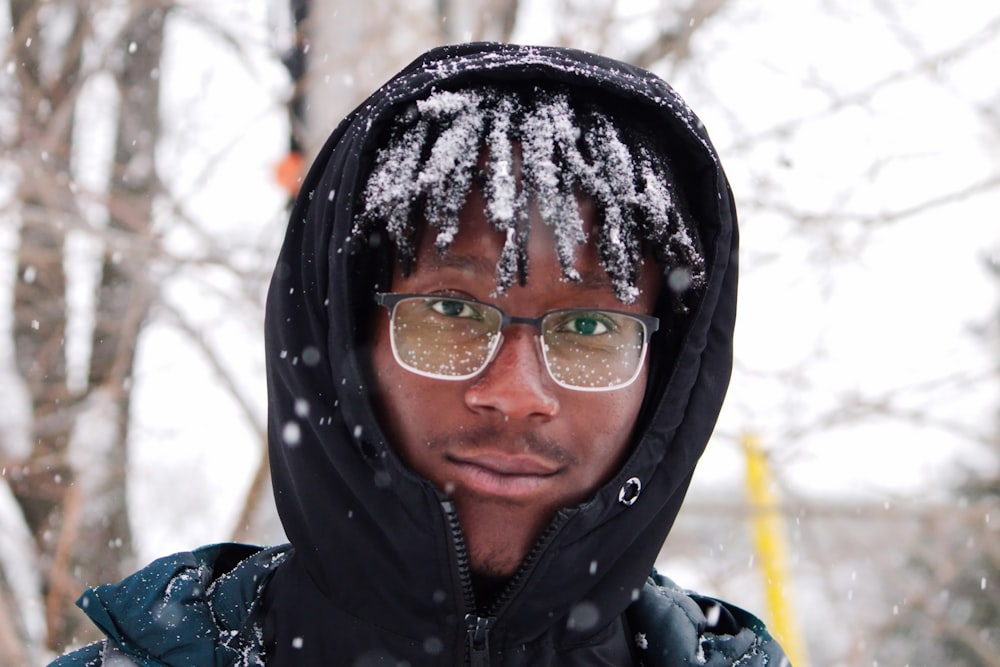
{"x": 439, "y": 147}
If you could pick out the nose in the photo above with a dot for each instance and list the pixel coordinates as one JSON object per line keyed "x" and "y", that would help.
{"x": 515, "y": 383}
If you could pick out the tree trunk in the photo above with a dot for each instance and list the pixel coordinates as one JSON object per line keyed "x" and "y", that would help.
{"x": 71, "y": 486}
{"x": 47, "y": 87}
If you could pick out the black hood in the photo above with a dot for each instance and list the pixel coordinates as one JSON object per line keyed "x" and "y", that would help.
{"x": 370, "y": 537}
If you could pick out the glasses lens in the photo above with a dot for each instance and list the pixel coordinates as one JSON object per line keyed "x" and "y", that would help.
{"x": 593, "y": 349}
{"x": 444, "y": 337}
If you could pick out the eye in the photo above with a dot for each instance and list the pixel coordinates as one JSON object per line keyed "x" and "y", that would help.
{"x": 455, "y": 308}
{"x": 586, "y": 324}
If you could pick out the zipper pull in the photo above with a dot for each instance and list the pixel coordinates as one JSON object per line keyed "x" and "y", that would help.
{"x": 478, "y": 630}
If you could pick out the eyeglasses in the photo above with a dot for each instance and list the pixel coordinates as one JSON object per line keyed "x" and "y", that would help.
{"x": 451, "y": 338}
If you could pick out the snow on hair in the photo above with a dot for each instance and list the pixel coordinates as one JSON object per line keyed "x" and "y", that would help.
{"x": 431, "y": 160}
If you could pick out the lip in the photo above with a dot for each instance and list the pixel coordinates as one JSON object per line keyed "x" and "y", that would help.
{"x": 500, "y": 475}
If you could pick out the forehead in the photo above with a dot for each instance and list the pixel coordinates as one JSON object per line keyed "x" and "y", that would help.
{"x": 476, "y": 260}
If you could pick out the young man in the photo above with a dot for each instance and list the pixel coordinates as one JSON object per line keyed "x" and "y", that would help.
{"x": 498, "y": 338}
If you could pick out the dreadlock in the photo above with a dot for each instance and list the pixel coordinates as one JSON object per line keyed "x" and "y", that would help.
{"x": 431, "y": 160}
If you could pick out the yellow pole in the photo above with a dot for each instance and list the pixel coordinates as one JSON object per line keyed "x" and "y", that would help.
{"x": 769, "y": 542}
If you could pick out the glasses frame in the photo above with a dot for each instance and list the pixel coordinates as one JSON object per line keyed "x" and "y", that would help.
{"x": 389, "y": 301}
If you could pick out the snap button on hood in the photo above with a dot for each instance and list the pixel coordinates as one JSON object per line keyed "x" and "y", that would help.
{"x": 630, "y": 491}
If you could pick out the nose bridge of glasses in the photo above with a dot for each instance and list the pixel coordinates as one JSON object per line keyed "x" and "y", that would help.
{"x": 533, "y": 322}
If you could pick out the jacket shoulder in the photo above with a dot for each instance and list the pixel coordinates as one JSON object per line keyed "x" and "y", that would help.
{"x": 194, "y": 607}
{"x": 91, "y": 655}
{"x": 672, "y": 626}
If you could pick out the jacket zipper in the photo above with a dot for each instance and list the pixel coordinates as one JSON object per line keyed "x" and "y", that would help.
{"x": 478, "y": 627}
{"x": 478, "y": 634}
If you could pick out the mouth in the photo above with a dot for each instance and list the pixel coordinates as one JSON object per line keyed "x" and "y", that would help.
{"x": 501, "y": 475}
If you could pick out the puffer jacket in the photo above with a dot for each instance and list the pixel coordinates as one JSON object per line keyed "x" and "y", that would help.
{"x": 378, "y": 574}
{"x": 204, "y": 608}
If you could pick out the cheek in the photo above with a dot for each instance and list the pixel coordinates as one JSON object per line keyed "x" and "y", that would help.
{"x": 408, "y": 406}
{"x": 606, "y": 423}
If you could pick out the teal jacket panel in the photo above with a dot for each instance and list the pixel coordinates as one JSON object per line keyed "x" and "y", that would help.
{"x": 673, "y": 627}
{"x": 192, "y": 608}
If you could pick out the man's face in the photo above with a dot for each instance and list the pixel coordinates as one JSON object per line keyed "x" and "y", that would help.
{"x": 509, "y": 445}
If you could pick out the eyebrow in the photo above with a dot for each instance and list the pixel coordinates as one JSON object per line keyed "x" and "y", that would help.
{"x": 595, "y": 280}
{"x": 464, "y": 263}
